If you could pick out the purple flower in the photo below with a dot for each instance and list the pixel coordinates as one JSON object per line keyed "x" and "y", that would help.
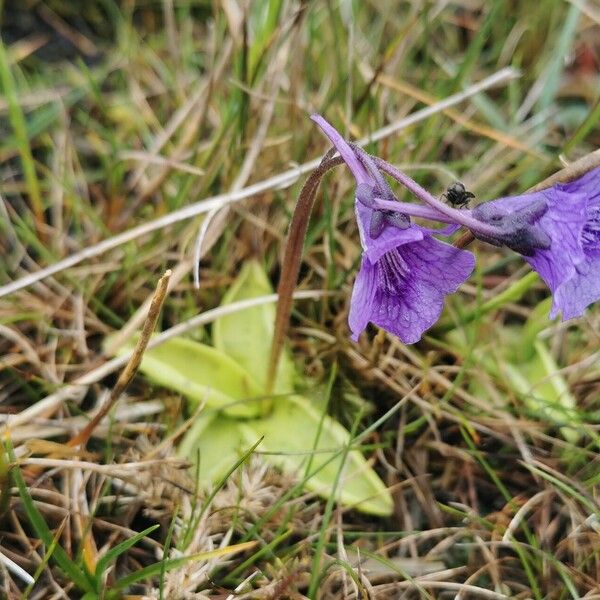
{"x": 563, "y": 222}
{"x": 405, "y": 272}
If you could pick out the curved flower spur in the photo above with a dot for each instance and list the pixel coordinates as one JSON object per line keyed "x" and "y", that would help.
{"x": 405, "y": 272}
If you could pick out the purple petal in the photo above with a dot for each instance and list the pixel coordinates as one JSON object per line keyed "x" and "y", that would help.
{"x": 581, "y": 290}
{"x": 575, "y": 294}
{"x": 363, "y": 293}
{"x": 563, "y": 223}
{"x": 410, "y": 284}
{"x": 570, "y": 266}
{"x": 358, "y": 170}
{"x": 386, "y": 240}
{"x": 587, "y": 185}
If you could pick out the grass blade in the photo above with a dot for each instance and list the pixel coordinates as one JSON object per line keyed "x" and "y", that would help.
{"x": 168, "y": 565}
{"x": 77, "y": 575}
{"x": 119, "y": 549}
{"x": 17, "y": 121}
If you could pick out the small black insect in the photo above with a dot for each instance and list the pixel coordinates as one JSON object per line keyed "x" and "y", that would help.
{"x": 457, "y": 194}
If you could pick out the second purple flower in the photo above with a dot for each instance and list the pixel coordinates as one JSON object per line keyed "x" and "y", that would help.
{"x": 567, "y": 215}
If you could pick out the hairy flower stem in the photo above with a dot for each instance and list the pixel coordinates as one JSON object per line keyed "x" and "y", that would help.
{"x": 290, "y": 266}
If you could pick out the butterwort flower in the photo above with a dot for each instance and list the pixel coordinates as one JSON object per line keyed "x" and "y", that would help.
{"x": 405, "y": 272}
{"x": 559, "y": 236}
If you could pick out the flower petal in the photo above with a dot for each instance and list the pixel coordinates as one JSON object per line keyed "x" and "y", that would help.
{"x": 358, "y": 170}
{"x": 581, "y": 290}
{"x": 388, "y": 238}
{"x": 562, "y": 223}
{"x": 581, "y": 197}
{"x": 362, "y": 298}
{"x": 410, "y": 300}
{"x": 587, "y": 185}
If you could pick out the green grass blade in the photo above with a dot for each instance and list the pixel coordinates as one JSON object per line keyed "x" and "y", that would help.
{"x": 166, "y": 548}
{"x": 317, "y": 557}
{"x": 17, "y": 121}
{"x": 173, "y": 563}
{"x": 589, "y": 124}
{"x": 115, "y": 552}
{"x": 570, "y": 491}
{"x": 45, "y": 560}
{"x": 556, "y": 65}
{"x": 77, "y": 575}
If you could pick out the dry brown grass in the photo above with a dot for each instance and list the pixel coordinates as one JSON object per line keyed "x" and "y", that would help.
{"x": 174, "y": 103}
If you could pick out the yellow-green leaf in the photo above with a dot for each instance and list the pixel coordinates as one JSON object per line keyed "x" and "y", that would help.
{"x": 521, "y": 359}
{"x": 544, "y": 390}
{"x": 203, "y": 374}
{"x": 296, "y": 434}
{"x": 246, "y": 335}
{"x": 216, "y": 441}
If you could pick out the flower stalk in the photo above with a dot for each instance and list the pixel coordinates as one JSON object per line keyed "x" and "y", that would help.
{"x": 290, "y": 266}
